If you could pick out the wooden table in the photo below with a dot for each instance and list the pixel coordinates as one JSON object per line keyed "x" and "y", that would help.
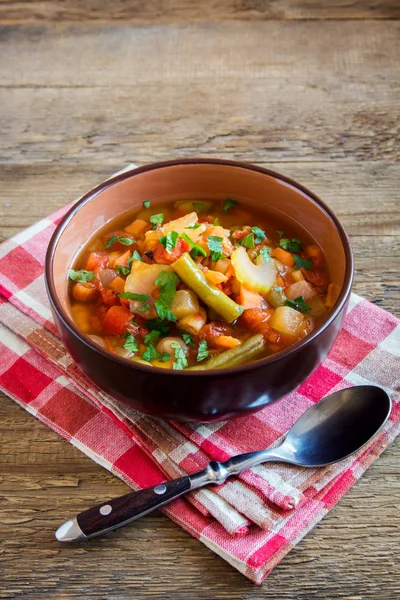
{"x": 308, "y": 88}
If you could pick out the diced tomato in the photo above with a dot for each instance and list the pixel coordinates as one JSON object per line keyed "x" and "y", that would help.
{"x": 138, "y": 327}
{"x": 116, "y": 320}
{"x": 318, "y": 278}
{"x": 97, "y": 261}
{"x": 109, "y": 297}
{"x": 117, "y": 245}
{"x": 162, "y": 257}
{"x": 240, "y": 234}
{"x": 257, "y": 319}
{"x": 214, "y": 330}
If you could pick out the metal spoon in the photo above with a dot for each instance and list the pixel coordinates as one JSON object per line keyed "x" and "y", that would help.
{"x": 326, "y": 433}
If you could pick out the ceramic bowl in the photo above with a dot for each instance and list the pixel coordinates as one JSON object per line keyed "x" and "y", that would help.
{"x": 198, "y": 395}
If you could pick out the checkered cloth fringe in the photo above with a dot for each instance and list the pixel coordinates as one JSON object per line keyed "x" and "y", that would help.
{"x": 251, "y": 521}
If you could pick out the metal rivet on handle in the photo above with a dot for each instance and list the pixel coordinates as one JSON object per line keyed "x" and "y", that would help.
{"x": 105, "y": 510}
{"x": 160, "y": 489}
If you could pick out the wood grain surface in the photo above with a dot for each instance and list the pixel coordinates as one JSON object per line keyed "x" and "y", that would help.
{"x": 307, "y": 88}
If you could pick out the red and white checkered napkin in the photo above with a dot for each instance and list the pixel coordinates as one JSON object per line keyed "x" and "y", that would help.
{"x": 251, "y": 521}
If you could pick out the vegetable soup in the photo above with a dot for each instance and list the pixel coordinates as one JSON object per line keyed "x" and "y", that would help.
{"x": 199, "y": 285}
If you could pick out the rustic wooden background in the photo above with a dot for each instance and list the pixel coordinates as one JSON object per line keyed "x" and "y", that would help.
{"x": 310, "y": 88}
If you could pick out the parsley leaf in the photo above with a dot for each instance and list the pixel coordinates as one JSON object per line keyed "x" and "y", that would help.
{"x": 130, "y": 343}
{"x": 202, "y": 352}
{"x": 199, "y": 207}
{"x": 299, "y": 304}
{"x": 157, "y": 324}
{"x": 157, "y": 219}
{"x": 278, "y": 289}
{"x": 111, "y": 240}
{"x": 167, "y": 286}
{"x": 146, "y": 203}
{"x": 195, "y": 226}
{"x": 259, "y": 233}
{"x": 169, "y": 240}
{"x": 150, "y": 353}
{"x": 165, "y": 356}
{"x": 248, "y": 241}
{"x": 135, "y": 297}
{"x": 135, "y": 256}
{"x": 81, "y": 276}
{"x": 214, "y": 242}
{"x": 265, "y": 253}
{"x": 124, "y": 271}
{"x": 293, "y": 245}
{"x": 152, "y": 336}
{"x": 145, "y": 307}
{"x": 125, "y": 241}
{"x": 306, "y": 263}
{"x": 216, "y": 222}
{"x": 195, "y": 249}
{"x": 228, "y": 204}
{"x": 180, "y": 357}
{"x": 280, "y": 233}
{"x": 188, "y": 339}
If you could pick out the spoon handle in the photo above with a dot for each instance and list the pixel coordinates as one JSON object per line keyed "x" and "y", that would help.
{"x": 118, "y": 512}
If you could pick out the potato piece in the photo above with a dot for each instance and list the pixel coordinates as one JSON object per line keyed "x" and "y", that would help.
{"x": 300, "y": 288}
{"x": 180, "y": 224}
{"x": 287, "y": 321}
{"x": 81, "y": 315}
{"x": 318, "y": 308}
{"x": 138, "y": 228}
{"x": 222, "y": 265}
{"x": 258, "y": 277}
{"x": 297, "y": 275}
{"x": 185, "y": 303}
{"x": 193, "y": 323}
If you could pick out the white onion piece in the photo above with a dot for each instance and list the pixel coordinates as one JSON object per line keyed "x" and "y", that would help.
{"x": 98, "y": 340}
{"x": 123, "y": 352}
{"x": 107, "y": 276}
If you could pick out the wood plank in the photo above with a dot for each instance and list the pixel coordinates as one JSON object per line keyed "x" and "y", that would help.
{"x": 183, "y": 10}
{"x": 353, "y": 553}
{"x": 251, "y": 100}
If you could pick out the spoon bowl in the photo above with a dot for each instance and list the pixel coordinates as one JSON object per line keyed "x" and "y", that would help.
{"x": 337, "y": 426}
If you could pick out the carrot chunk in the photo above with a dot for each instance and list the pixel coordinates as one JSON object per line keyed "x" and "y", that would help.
{"x": 215, "y": 277}
{"x": 226, "y": 341}
{"x": 97, "y": 261}
{"x": 85, "y": 292}
{"x": 249, "y": 299}
{"x": 116, "y": 320}
{"x": 118, "y": 285}
{"x": 283, "y": 256}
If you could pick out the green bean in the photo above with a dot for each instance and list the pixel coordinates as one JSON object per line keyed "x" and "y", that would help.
{"x": 193, "y": 276}
{"x": 243, "y": 353}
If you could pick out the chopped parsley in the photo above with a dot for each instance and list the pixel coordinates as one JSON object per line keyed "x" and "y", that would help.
{"x": 135, "y": 256}
{"x": 300, "y": 262}
{"x": 195, "y": 249}
{"x": 202, "y": 352}
{"x": 125, "y": 241}
{"x": 265, "y": 253}
{"x": 151, "y": 353}
{"x": 167, "y": 286}
{"x": 157, "y": 324}
{"x": 81, "y": 276}
{"x": 278, "y": 289}
{"x": 180, "y": 357}
{"x": 195, "y": 226}
{"x": 157, "y": 219}
{"x": 259, "y": 234}
{"x": 111, "y": 240}
{"x": 214, "y": 242}
{"x": 124, "y": 271}
{"x": 165, "y": 356}
{"x": 169, "y": 240}
{"x": 299, "y": 304}
{"x": 199, "y": 207}
{"x": 188, "y": 339}
{"x": 293, "y": 245}
{"x": 130, "y": 343}
{"x": 135, "y": 297}
{"x": 146, "y": 203}
{"x": 216, "y": 222}
{"x": 248, "y": 241}
{"x": 152, "y": 336}
{"x": 280, "y": 233}
{"x": 229, "y": 203}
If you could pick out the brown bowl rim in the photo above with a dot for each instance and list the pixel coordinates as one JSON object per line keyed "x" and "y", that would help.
{"x": 70, "y": 325}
